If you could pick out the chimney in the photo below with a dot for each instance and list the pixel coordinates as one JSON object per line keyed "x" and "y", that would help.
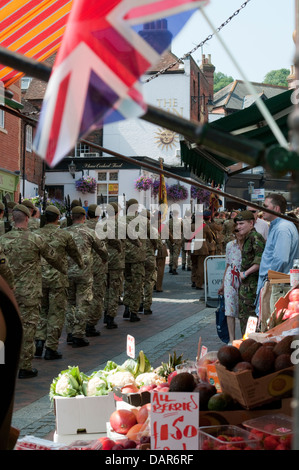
{"x": 208, "y": 69}
{"x": 157, "y": 35}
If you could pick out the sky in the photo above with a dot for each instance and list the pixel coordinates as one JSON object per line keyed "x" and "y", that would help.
{"x": 259, "y": 37}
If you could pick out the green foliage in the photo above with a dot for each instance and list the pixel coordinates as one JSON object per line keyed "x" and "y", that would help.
{"x": 277, "y": 77}
{"x": 221, "y": 80}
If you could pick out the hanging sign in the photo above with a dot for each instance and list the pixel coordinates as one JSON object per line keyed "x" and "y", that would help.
{"x": 174, "y": 419}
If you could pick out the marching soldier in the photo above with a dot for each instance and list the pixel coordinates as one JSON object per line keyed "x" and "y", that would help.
{"x": 54, "y": 285}
{"x": 33, "y": 223}
{"x": 24, "y": 250}
{"x": 81, "y": 280}
{"x": 150, "y": 267}
{"x": 100, "y": 270}
{"x": 175, "y": 241}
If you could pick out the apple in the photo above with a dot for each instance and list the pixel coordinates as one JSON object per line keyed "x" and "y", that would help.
{"x": 147, "y": 388}
{"x": 130, "y": 389}
{"x": 171, "y": 375}
{"x": 143, "y": 413}
{"x": 294, "y": 295}
{"x": 122, "y": 420}
{"x": 107, "y": 444}
{"x": 294, "y": 306}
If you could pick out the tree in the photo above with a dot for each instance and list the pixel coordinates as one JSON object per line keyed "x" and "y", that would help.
{"x": 277, "y": 77}
{"x": 221, "y": 80}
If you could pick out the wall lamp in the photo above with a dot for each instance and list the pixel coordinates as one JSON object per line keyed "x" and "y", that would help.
{"x": 72, "y": 169}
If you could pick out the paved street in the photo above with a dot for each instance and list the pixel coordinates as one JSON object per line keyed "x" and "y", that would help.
{"x": 180, "y": 317}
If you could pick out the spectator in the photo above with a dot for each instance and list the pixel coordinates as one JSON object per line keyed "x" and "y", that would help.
{"x": 231, "y": 282}
{"x": 85, "y": 207}
{"x": 261, "y": 226}
{"x": 252, "y": 250}
{"x": 281, "y": 247}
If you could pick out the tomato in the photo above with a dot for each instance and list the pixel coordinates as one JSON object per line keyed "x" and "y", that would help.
{"x": 294, "y": 295}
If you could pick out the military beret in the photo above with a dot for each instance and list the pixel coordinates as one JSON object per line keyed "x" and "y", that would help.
{"x": 53, "y": 209}
{"x": 131, "y": 202}
{"x": 75, "y": 203}
{"x": 244, "y": 215}
{"x": 11, "y": 204}
{"x": 112, "y": 208}
{"x": 2, "y": 206}
{"x": 78, "y": 210}
{"x": 28, "y": 203}
{"x": 92, "y": 208}
{"x": 22, "y": 208}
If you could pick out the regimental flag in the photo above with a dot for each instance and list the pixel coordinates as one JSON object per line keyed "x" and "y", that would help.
{"x": 107, "y": 46}
{"x": 162, "y": 194}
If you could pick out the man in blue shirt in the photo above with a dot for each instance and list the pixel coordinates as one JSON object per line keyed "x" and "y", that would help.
{"x": 281, "y": 247}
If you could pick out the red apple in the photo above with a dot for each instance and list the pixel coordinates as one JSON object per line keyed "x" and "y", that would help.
{"x": 122, "y": 420}
{"x": 107, "y": 444}
{"x": 294, "y": 306}
{"x": 171, "y": 375}
{"x": 130, "y": 389}
{"x": 294, "y": 295}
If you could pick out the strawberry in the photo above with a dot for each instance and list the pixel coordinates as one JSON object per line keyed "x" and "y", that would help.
{"x": 281, "y": 447}
{"x": 270, "y": 442}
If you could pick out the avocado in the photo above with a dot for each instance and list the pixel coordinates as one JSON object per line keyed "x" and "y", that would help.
{"x": 229, "y": 356}
{"x": 220, "y": 402}
{"x": 284, "y": 345}
{"x": 250, "y": 351}
{"x": 263, "y": 361}
{"x": 206, "y": 391}
{"x": 183, "y": 382}
{"x": 282, "y": 384}
{"x": 242, "y": 366}
{"x": 283, "y": 361}
{"x": 245, "y": 344}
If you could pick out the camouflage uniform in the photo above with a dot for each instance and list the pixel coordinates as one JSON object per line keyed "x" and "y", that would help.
{"x": 134, "y": 267}
{"x": 24, "y": 250}
{"x": 5, "y": 270}
{"x": 33, "y": 223}
{"x": 54, "y": 286}
{"x": 150, "y": 267}
{"x": 81, "y": 280}
{"x": 252, "y": 251}
{"x": 174, "y": 243}
{"x": 100, "y": 272}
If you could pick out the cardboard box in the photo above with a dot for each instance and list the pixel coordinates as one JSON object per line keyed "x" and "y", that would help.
{"x": 133, "y": 399}
{"x": 237, "y": 417}
{"x": 83, "y": 414}
{"x": 250, "y": 392}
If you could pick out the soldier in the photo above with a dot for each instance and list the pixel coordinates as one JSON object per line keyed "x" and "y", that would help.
{"x": 81, "y": 280}
{"x": 134, "y": 263}
{"x": 153, "y": 242}
{"x": 252, "y": 250}
{"x": 2, "y": 223}
{"x": 100, "y": 271}
{"x": 63, "y": 223}
{"x": 116, "y": 263}
{"x": 186, "y": 255}
{"x": 200, "y": 250}
{"x": 162, "y": 251}
{"x": 24, "y": 250}
{"x": 33, "y": 223}
{"x": 207, "y": 217}
{"x": 217, "y": 227}
{"x": 5, "y": 270}
{"x": 54, "y": 285}
{"x": 175, "y": 241}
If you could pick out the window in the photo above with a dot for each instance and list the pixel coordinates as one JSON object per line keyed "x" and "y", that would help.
{"x": 55, "y": 192}
{"x": 107, "y": 190}
{"x": 25, "y": 82}
{"x": 28, "y": 138}
{"x": 2, "y": 120}
{"x": 81, "y": 149}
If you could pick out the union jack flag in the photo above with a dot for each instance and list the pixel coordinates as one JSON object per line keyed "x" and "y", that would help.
{"x": 95, "y": 78}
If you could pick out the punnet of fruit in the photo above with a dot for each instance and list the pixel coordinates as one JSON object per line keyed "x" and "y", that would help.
{"x": 274, "y": 431}
{"x": 282, "y": 314}
{"x": 226, "y": 437}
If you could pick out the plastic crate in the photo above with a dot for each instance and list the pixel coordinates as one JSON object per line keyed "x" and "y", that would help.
{"x": 226, "y": 437}
{"x": 275, "y": 431}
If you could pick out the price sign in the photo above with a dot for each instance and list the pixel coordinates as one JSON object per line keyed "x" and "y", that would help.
{"x": 174, "y": 419}
{"x": 251, "y": 326}
{"x": 131, "y": 346}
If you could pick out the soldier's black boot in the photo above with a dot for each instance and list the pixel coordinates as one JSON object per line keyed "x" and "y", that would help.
{"x": 39, "y": 347}
{"x": 50, "y": 354}
{"x": 170, "y": 269}
{"x": 140, "y": 310}
{"x": 174, "y": 271}
{"x": 111, "y": 323}
{"x": 91, "y": 331}
{"x": 79, "y": 342}
{"x": 126, "y": 312}
{"x": 134, "y": 317}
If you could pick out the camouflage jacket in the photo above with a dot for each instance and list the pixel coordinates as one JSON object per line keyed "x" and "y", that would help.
{"x": 89, "y": 246}
{"x": 5, "y": 270}
{"x": 33, "y": 224}
{"x": 64, "y": 245}
{"x": 135, "y": 249}
{"x": 252, "y": 251}
{"x": 98, "y": 266}
{"x": 24, "y": 250}
{"x": 115, "y": 230}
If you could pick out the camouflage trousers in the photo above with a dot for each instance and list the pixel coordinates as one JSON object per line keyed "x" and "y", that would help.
{"x": 150, "y": 278}
{"x": 79, "y": 302}
{"x": 114, "y": 287}
{"x": 52, "y": 316}
{"x": 186, "y": 258}
{"x": 247, "y": 295}
{"x": 133, "y": 285}
{"x": 29, "y": 315}
{"x": 174, "y": 253}
{"x": 97, "y": 305}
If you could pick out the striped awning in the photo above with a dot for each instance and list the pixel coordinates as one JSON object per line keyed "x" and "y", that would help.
{"x": 33, "y": 28}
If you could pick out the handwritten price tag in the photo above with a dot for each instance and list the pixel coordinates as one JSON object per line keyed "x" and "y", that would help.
{"x": 174, "y": 419}
{"x": 131, "y": 346}
{"x": 251, "y": 326}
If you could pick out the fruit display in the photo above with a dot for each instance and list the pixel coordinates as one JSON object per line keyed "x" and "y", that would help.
{"x": 280, "y": 315}
{"x": 259, "y": 358}
{"x": 227, "y": 437}
{"x": 131, "y": 425}
{"x": 273, "y": 431}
